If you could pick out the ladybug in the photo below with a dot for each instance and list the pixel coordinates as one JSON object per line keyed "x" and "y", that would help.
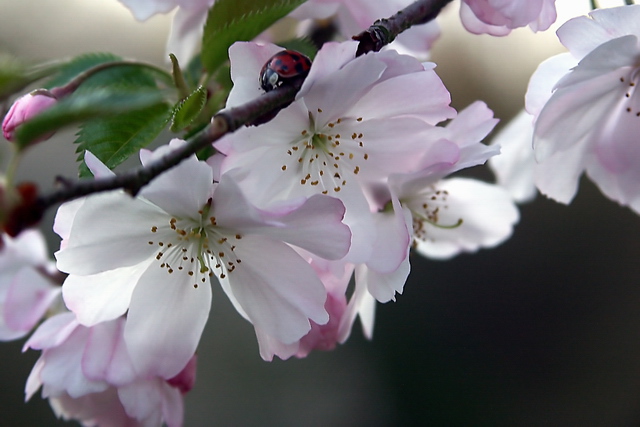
{"x": 282, "y": 67}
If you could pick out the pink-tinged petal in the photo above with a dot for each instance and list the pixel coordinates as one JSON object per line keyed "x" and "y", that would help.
{"x": 316, "y": 226}
{"x": 391, "y": 247}
{"x": 186, "y": 378}
{"x": 52, "y": 332}
{"x": 514, "y": 167}
{"x": 100, "y": 409}
{"x": 105, "y": 357}
{"x": 611, "y": 57}
{"x": 62, "y": 370}
{"x": 476, "y": 26}
{"x": 362, "y": 304}
{"x": 384, "y": 286}
{"x": 104, "y": 296}
{"x": 544, "y": 79}
{"x": 331, "y": 58}
{"x": 439, "y": 155}
{"x": 270, "y": 347}
{"x": 622, "y": 187}
{"x": 64, "y": 219}
{"x": 247, "y": 60}
{"x": 331, "y": 97}
{"x": 109, "y": 231}
{"x": 29, "y": 248}
{"x": 277, "y": 289}
{"x": 324, "y": 337}
{"x": 28, "y": 299}
{"x": 165, "y": 320}
{"x": 278, "y": 133}
{"x": 471, "y": 125}
{"x": 183, "y": 190}
{"x": 215, "y": 163}
{"x": 33, "y": 382}
{"x": 421, "y": 94}
{"x": 569, "y": 116}
{"x": 383, "y": 156}
{"x": 618, "y": 21}
{"x": 186, "y": 33}
{"x": 232, "y": 208}
{"x": 581, "y": 35}
{"x": 152, "y": 403}
{"x": 145, "y": 9}
{"x": 97, "y": 168}
{"x": 546, "y": 17}
{"x": 558, "y": 176}
{"x": 418, "y": 40}
{"x": 487, "y": 212}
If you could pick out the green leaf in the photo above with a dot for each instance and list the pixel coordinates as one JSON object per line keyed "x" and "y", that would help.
{"x": 123, "y": 75}
{"x": 80, "y": 107}
{"x": 114, "y": 139}
{"x": 15, "y": 75}
{"x": 188, "y": 109}
{"x": 77, "y": 65}
{"x": 238, "y": 20}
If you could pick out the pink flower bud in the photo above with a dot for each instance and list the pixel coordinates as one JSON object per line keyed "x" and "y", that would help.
{"x": 24, "y": 109}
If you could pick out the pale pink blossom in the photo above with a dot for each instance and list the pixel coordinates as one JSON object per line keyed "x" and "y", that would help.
{"x": 586, "y": 108}
{"x": 188, "y": 22}
{"x": 454, "y": 215}
{"x": 26, "y": 290}
{"x": 24, "y": 109}
{"x": 88, "y": 375}
{"x": 153, "y": 256}
{"x": 355, "y": 120}
{"x": 499, "y": 17}
{"x": 354, "y": 16}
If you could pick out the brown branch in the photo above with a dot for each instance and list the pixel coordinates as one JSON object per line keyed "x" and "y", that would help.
{"x": 257, "y": 111}
{"x": 384, "y": 31}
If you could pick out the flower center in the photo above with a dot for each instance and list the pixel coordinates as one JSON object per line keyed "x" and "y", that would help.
{"x": 426, "y": 209}
{"x": 327, "y": 156}
{"x": 198, "y": 249}
{"x": 631, "y": 95}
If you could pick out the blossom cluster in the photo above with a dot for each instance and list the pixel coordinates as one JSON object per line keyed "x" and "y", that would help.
{"x": 306, "y": 221}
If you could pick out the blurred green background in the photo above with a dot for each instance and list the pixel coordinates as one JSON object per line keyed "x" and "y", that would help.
{"x": 543, "y": 330}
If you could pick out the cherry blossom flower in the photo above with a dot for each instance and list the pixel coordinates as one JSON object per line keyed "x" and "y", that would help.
{"x": 26, "y": 290}
{"x": 354, "y": 16}
{"x": 188, "y": 22}
{"x": 456, "y": 215}
{"x": 154, "y": 255}
{"x": 440, "y": 217}
{"x": 353, "y": 121}
{"x": 499, "y": 17}
{"x": 587, "y": 114}
{"x": 88, "y": 375}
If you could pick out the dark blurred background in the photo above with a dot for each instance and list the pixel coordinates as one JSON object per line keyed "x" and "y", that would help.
{"x": 542, "y": 330}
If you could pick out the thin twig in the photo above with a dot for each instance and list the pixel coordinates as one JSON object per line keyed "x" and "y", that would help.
{"x": 257, "y": 111}
{"x": 384, "y": 31}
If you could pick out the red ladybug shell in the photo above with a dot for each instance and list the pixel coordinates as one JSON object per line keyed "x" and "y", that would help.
{"x": 282, "y": 67}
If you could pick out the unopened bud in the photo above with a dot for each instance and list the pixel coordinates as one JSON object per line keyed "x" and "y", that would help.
{"x": 24, "y": 109}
